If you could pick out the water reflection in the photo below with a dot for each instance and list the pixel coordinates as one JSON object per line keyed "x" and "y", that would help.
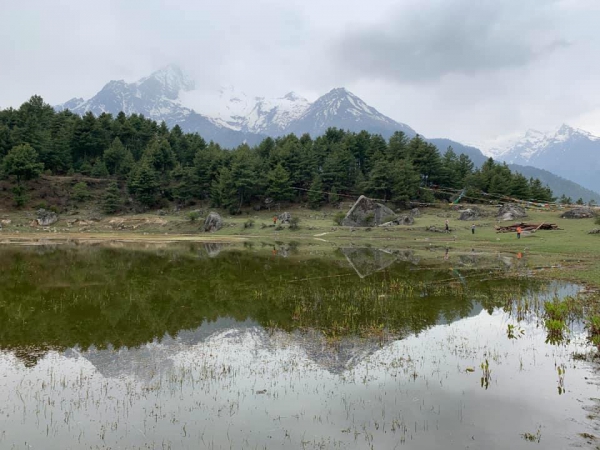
{"x": 121, "y": 348}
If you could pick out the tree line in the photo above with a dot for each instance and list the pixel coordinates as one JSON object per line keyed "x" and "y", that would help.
{"x": 158, "y": 164}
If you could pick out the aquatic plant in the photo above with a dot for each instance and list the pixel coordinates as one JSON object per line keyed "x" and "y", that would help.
{"x": 486, "y": 375}
{"x": 512, "y": 332}
{"x": 531, "y": 437}
{"x": 561, "y": 369}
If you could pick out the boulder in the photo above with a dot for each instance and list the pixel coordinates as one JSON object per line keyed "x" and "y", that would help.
{"x": 511, "y": 211}
{"x": 470, "y": 214}
{"x": 400, "y": 220}
{"x": 415, "y": 212}
{"x": 213, "y": 222}
{"x": 595, "y": 231}
{"x": 284, "y": 217}
{"x": 46, "y": 218}
{"x": 579, "y": 213}
{"x": 366, "y": 213}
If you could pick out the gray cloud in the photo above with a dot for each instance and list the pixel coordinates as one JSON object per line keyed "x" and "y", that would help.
{"x": 464, "y": 69}
{"x": 427, "y": 41}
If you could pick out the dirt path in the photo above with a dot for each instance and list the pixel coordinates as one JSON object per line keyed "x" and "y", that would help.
{"x": 88, "y": 238}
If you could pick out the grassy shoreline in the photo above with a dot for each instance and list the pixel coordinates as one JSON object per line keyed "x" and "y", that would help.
{"x": 570, "y": 253}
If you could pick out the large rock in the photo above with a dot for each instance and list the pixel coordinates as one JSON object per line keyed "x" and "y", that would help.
{"x": 511, "y": 211}
{"x": 284, "y": 217}
{"x": 46, "y": 218}
{"x": 400, "y": 220}
{"x": 213, "y": 222}
{"x": 595, "y": 231}
{"x": 366, "y": 213}
{"x": 579, "y": 213}
{"x": 470, "y": 214}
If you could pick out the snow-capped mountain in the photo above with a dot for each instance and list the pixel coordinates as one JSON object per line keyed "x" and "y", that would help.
{"x": 230, "y": 117}
{"x": 568, "y": 152}
{"x": 342, "y": 109}
{"x": 260, "y": 115}
{"x": 159, "y": 97}
{"x": 155, "y": 96}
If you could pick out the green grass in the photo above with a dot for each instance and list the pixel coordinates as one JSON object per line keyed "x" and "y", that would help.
{"x": 570, "y": 253}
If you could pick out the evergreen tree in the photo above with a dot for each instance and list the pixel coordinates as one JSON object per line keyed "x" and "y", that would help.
{"x": 499, "y": 185}
{"x": 381, "y": 179}
{"x": 160, "y": 155}
{"x": 144, "y": 183}
{"x": 315, "y": 195}
{"x": 22, "y": 162}
{"x": 243, "y": 173}
{"x": 99, "y": 170}
{"x": 520, "y": 187}
{"x": 406, "y": 182}
{"x": 564, "y": 200}
{"x": 81, "y": 192}
{"x": 426, "y": 161}
{"x": 224, "y": 193}
{"x": 464, "y": 168}
{"x": 114, "y": 157}
{"x": 279, "y": 184}
{"x": 398, "y": 146}
{"x": 449, "y": 175}
{"x": 539, "y": 192}
{"x": 333, "y": 197}
{"x": 111, "y": 200}
{"x": 86, "y": 168}
{"x": 186, "y": 184}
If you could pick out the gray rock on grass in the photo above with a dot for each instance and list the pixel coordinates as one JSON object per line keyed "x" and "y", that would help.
{"x": 579, "y": 213}
{"x": 470, "y": 214}
{"x": 366, "y": 213}
{"x": 284, "y": 217}
{"x": 511, "y": 211}
{"x": 46, "y": 218}
{"x": 213, "y": 222}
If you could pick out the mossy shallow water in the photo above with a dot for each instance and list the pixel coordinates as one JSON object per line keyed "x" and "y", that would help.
{"x": 271, "y": 347}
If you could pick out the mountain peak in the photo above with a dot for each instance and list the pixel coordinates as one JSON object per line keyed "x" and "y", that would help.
{"x": 292, "y": 96}
{"x": 338, "y": 92}
{"x": 172, "y": 79}
{"x": 565, "y": 129}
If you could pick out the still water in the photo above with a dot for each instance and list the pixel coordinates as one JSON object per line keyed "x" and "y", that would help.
{"x": 283, "y": 347}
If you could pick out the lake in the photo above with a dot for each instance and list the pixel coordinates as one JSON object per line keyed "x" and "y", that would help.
{"x": 282, "y": 345}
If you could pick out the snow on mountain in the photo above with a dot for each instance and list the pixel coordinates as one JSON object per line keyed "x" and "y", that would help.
{"x": 535, "y": 143}
{"x": 342, "y": 109}
{"x": 230, "y": 117}
{"x": 159, "y": 97}
{"x": 569, "y": 152}
{"x": 155, "y": 96}
{"x": 260, "y": 115}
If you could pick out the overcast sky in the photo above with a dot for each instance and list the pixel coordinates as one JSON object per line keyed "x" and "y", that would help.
{"x": 464, "y": 69}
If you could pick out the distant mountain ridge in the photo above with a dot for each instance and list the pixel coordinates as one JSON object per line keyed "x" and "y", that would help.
{"x": 569, "y": 152}
{"x": 559, "y": 185}
{"x": 240, "y": 118}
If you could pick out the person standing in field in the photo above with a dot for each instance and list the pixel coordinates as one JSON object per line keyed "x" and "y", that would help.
{"x": 519, "y": 230}
{"x": 274, "y": 220}
{"x": 473, "y": 229}
{"x": 447, "y": 226}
